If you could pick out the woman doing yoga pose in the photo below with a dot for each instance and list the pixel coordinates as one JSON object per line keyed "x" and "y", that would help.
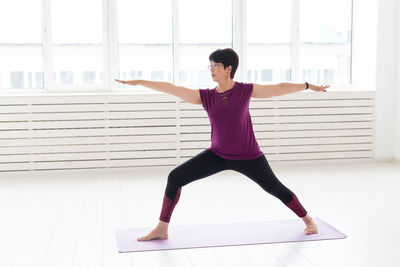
{"x": 233, "y": 143}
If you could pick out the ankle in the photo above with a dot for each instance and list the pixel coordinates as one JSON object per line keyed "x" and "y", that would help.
{"x": 307, "y": 219}
{"x": 162, "y": 225}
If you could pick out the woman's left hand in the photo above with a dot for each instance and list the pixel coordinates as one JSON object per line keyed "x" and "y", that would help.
{"x": 317, "y": 88}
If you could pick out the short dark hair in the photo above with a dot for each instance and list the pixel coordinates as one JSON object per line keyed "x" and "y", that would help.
{"x": 227, "y": 57}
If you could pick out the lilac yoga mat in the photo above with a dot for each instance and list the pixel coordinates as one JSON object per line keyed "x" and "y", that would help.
{"x": 196, "y": 236}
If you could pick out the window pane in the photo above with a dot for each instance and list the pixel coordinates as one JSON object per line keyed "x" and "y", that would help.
{"x": 20, "y": 44}
{"x": 325, "y": 37}
{"x": 77, "y": 44}
{"x": 269, "y": 40}
{"x": 145, "y": 40}
{"x": 201, "y": 33}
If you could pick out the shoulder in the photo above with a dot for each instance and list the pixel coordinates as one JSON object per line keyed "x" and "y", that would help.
{"x": 205, "y": 92}
{"x": 206, "y": 96}
{"x": 245, "y": 87}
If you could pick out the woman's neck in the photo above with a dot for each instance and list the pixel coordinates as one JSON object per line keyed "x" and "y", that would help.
{"x": 225, "y": 85}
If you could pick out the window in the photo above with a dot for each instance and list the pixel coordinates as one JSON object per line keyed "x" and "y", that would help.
{"x": 77, "y": 40}
{"x": 268, "y": 38}
{"x": 86, "y": 44}
{"x": 20, "y": 42}
{"x": 285, "y": 75}
{"x": 157, "y": 75}
{"x": 202, "y": 31}
{"x": 17, "y": 79}
{"x": 145, "y": 39}
{"x": 38, "y": 79}
{"x": 66, "y": 77}
{"x": 266, "y": 75}
{"x": 325, "y": 40}
{"x": 89, "y": 77}
{"x": 329, "y": 76}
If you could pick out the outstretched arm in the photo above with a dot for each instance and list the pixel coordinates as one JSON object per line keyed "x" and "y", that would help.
{"x": 266, "y": 91}
{"x": 186, "y": 94}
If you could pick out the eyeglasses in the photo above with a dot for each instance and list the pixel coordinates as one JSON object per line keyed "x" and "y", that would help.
{"x": 213, "y": 66}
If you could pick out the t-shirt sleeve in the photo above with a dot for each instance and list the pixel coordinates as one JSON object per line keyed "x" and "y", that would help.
{"x": 247, "y": 91}
{"x": 204, "y": 95}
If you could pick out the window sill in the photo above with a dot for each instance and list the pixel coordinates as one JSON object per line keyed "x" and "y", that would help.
{"x": 126, "y": 91}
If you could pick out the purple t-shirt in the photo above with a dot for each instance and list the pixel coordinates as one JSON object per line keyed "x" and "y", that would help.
{"x": 232, "y": 135}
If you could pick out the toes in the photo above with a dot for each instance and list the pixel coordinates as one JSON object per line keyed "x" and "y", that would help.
{"x": 143, "y": 238}
{"x": 310, "y": 231}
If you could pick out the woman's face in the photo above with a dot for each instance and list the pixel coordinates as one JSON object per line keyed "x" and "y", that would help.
{"x": 218, "y": 72}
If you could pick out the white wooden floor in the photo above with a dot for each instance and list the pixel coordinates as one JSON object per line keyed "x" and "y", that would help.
{"x": 68, "y": 218}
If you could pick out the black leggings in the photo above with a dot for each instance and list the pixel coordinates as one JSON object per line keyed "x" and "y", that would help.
{"x": 207, "y": 163}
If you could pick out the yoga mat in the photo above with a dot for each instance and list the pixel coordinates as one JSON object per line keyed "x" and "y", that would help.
{"x": 233, "y": 234}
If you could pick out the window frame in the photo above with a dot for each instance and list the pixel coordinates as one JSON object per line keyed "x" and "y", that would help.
{"x": 110, "y": 49}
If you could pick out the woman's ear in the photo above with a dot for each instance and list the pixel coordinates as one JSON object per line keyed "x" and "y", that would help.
{"x": 229, "y": 69}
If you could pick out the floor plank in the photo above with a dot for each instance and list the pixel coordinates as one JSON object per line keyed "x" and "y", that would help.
{"x": 69, "y": 218}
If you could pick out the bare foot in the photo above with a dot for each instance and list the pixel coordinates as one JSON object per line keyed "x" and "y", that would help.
{"x": 311, "y": 229}
{"x": 311, "y": 226}
{"x": 160, "y": 232}
{"x": 155, "y": 234}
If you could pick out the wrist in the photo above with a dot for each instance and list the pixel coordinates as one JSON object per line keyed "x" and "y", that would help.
{"x": 137, "y": 82}
{"x": 307, "y": 86}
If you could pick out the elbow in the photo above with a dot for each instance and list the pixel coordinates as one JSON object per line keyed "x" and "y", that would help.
{"x": 283, "y": 85}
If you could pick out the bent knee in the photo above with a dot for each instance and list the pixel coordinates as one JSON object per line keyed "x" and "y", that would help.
{"x": 174, "y": 177}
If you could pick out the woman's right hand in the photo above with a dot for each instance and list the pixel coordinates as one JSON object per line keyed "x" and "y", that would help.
{"x": 133, "y": 82}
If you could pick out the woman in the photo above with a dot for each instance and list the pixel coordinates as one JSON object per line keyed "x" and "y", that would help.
{"x": 233, "y": 144}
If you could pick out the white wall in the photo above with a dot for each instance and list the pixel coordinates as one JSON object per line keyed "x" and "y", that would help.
{"x": 386, "y": 79}
{"x": 397, "y": 118}
{"x": 364, "y": 44}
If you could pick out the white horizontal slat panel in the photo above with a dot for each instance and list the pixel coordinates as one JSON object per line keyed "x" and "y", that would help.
{"x": 318, "y": 148}
{"x": 87, "y": 164}
{"x": 304, "y": 95}
{"x": 86, "y": 148}
{"x": 85, "y": 124}
{"x": 319, "y": 156}
{"x": 297, "y": 126}
{"x": 288, "y": 119}
{"x": 293, "y": 111}
{"x": 188, "y": 137}
{"x": 108, "y": 163}
{"x": 313, "y": 103}
{"x": 316, "y": 141}
{"x": 291, "y": 141}
{"x": 315, "y": 126}
{"x": 101, "y": 115}
{"x": 323, "y": 111}
{"x": 186, "y": 154}
{"x": 88, "y": 132}
{"x": 110, "y": 130}
{"x": 262, "y": 129}
{"x": 312, "y": 118}
{"x": 88, "y": 140}
{"x": 52, "y": 125}
{"x": 309, "y": 149}
{"x": 86, "y": 107}
{"x": 16, "y": 166}
{"x": 307, "y": 96}
{"x": 277, "y": 135}
{"x": 312, "y": 133}
{"x": 88, "y": 155}
{"x": 310, "y": 103}
{"x": 69, "y": 98}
